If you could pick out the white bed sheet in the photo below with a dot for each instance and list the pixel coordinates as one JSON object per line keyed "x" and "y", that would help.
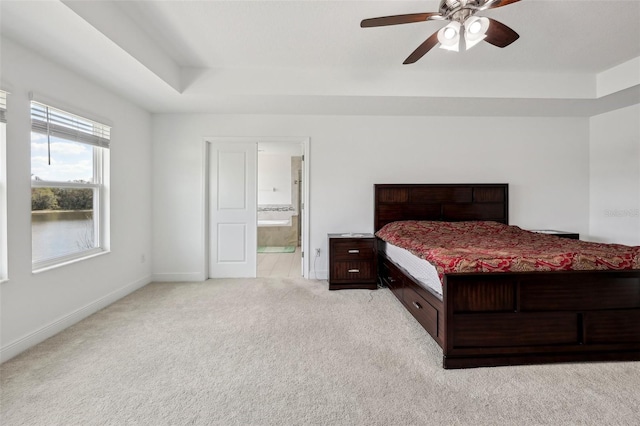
{"x": 424, "y": 272}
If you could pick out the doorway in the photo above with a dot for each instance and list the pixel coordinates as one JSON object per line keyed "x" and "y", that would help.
{"x": 259, "y": 203}
{"x": 280, "y": 191}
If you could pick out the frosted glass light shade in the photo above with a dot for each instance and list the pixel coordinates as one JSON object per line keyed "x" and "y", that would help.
{"x": 475, "y": 30}
{"x": 449, "y": 36}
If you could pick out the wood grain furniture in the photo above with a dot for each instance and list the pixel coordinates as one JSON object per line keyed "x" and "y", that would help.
{"x": 353, "y": 261}
{"x": 561, "y": 234}
{"x": 490, "y": 319}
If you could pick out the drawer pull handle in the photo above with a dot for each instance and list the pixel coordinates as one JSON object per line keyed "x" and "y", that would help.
{"x": 417, "y": 305}
{"x": 354, "y": 251}
{"x": 354, "y": 271}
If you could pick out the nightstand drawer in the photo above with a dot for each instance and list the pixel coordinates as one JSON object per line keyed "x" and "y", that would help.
{"x": 356, "y": 271}
{"x": 353, "y": 261}
{"x": 353, "y": 249}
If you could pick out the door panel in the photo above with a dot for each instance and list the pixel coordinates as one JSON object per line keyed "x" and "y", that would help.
{"x": 232, "y": 209}
{"x": 232, "y": 242}
{"x": 232, "y": 182}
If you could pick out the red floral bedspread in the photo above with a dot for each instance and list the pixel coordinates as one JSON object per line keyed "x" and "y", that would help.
{"x": 494, "y": 247}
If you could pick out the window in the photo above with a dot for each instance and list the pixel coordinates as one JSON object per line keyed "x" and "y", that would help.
{"x": 3, "y": 186}
{"x": 69, "y": 181}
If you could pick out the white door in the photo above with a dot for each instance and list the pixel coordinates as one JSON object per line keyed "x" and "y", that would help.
{"x": 301, "y": 214}
{"x": 232, "y": 209}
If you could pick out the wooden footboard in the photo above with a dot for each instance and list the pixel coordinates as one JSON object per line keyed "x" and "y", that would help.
{"x": 526, "y": 318}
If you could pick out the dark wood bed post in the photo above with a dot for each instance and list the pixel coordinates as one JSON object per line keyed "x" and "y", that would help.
{"x": 490, "y": 319}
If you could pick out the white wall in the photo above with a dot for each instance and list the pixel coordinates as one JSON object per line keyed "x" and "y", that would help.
{"x": 274, "y": 178}
{"x": 35, "y": 306}
{"x": 544, "y": 160}
{"x": 615, "y": 176}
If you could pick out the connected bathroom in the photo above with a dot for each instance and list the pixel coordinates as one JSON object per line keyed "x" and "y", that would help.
{"x": 279, "y": 196}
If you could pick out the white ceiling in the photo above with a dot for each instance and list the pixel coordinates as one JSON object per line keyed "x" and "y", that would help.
{"x": 326, "y": 34}
{"x": 312, "y": 56}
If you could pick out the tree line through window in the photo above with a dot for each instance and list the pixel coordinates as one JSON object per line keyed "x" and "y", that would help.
{"x": 61, "y": 199}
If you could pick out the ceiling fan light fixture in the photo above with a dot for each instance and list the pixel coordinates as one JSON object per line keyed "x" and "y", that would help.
{"x": 463, "y": 31}
{"x": 449, "y": 37}
{"x": 475, "y": 30}
{"x": 475, "y": 27}
{"x": 449, "y": 33}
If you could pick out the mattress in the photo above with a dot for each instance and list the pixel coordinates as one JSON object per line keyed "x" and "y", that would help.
{"x": 484, "y": 246}
{"x": 422, "y": 271}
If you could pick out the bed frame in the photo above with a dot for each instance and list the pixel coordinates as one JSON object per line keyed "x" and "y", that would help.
{"x": 490, "y": 319}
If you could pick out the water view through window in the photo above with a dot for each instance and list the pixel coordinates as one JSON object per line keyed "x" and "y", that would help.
{"x": 61, "y": 222}
{"x": 59, "y": 233}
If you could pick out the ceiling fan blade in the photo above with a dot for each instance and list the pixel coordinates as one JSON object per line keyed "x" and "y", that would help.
{"x": 501, "y": 3}
{"x": 499, "y": 34}
{"x": 426, "y": 46}
{"x": 396, "y": 19}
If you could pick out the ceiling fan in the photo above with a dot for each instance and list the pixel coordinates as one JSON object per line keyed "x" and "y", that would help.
{"x": 464, "y": 30}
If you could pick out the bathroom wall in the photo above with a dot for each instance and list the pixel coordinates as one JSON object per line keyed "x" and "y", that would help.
{"x": 278, "y": 182}
{"x": 274, "y": 178}
{"x": 296, "y": 193}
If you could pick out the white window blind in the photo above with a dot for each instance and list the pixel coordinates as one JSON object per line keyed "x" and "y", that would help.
{"x": 3, "y": 107}
{"x": 55, "y": 122}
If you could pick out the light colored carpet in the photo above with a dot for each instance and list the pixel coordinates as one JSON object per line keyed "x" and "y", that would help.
{"x": 273, "y": 249}
{"x": 287, "y": 352}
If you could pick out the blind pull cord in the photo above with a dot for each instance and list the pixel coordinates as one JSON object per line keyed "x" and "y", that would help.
{"x": 48, "y": 138}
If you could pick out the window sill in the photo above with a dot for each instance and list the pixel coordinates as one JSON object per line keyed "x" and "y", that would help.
{"x": 66, "y": 262}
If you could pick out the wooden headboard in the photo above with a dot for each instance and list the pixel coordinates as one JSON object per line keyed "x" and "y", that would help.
{"x": 446, "y": 202}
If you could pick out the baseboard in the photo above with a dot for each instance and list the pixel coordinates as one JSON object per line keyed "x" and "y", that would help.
{"x": 179, "y": 277}
{"x": 55, "y": 327}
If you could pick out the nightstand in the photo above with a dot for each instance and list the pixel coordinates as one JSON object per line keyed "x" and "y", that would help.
{"x": 353, "y": 261}
{"x": 561, "y": 234}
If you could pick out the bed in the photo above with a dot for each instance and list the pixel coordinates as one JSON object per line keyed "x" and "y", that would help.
{"x": 508, "y": 318}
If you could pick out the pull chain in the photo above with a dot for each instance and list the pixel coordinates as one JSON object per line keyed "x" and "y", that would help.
{"x": 48, "y": 138}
